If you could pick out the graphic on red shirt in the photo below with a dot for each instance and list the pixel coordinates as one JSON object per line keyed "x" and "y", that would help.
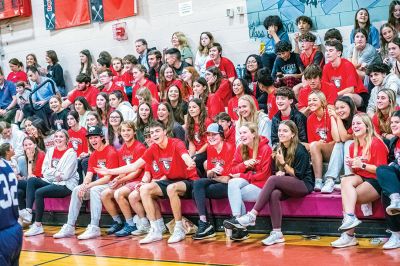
{"x": 223, "y": 159}
{"x": 128, "y": 155}
{"x": 169, "y": 160}
{"x": 57, "y": 155}
{"x": 78, "y": 140}
{"x": 108, "y": 157}
{"x": 319, "y": 128}
{"x": 199, "y": 140}
{"x": 397, "y": 152}
{"x": 343, "y": 76}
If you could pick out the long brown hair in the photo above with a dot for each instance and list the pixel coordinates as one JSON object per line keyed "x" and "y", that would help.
{"x": 244, "y": 149}
{"x": 37, "y": 150}
{"x": 215, "y": 72}
{"x": 163, "y": 83}
{"x": 290, "y": 151}
{"x": 384, "y": 120}
{"x": 202, "y": 120}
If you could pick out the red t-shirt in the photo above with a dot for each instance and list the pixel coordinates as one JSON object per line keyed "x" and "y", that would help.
{"x": 318, "y": 129}
{"x": 214, "y": 105}
{"x": 230, "y": 136}
{"x": 17, "y": 76}
{"x": 271, "y": 105}
{"x": 90, "y": 94}
{"x": 129, "y": 155}
{"x": 154, "y": 170}
{"x": 226, "y": 66}
{"x": 119, "y": 80}
{"x": 127, "y": 78}
{"x": 284, "y": 118}
{"x": 169, "y": 160}
{"x": 343, "y": 76}
{"x": 115, "y": 87}
{"x": 378, "y": 156}
{"x": 327, "y": 89}
{"x": 78, "y": 140}
{"x": 200, "y": 140}
{"x": 108, "y": 158}
{"x": 57, "y": 154}
{"x": 224, "y": 158}
{"x": 37, "y": 171}
{"x": 308, "y": 60}
{"x": 233, "y": 109}
{"x": 148, "y": 84}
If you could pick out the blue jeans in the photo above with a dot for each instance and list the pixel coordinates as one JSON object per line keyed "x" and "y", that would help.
{"x": 336, "y": 162}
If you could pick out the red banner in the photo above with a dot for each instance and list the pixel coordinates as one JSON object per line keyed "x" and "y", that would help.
{"x": 15, "y": 8}
{"x": 71, "y": 13}
{"x": 108, "y": 10}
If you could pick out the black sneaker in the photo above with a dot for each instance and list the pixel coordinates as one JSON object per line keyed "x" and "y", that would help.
{"x": 232, "y": 223}
{"x": 205, "y": 230}
{"x": 239, "y": 235}
{"x": 115, "y": 227}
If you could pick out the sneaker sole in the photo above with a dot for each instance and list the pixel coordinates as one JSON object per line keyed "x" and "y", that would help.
{"x": 350, "y": 227}
{"x": 148, "y": 242}
{"x": 388, "y": 248}
{"x": 229, "y": 225}
{"x": 86, "y": 238}
{"x": 276, "y": 242}
{"x": 59, "y": 237}
{"x": 345, "y": 246}
{"x": 139, "y": 234}
{"x": 326, "y": 191}
{"x": 204, "y": 237}
{"x": 240, "y": 239}
{"x": 26, "y": 235}
{"x": 392, "y": 211}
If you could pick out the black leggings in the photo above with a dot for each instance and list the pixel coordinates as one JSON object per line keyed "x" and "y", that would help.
{"x": 389, "y": 180}
{"x": 208, "y": 188}
{"x": 21, "y": 188}
{"x": 200, "y": 158}
{"x": 37, "y": 190}
{"x": 279, "y": 188}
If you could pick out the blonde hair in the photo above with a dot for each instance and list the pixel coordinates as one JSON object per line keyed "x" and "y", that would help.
{"x": 145, "y": 93}
{"x": 253, "y": 111}
{"x": 370, "y": 134}
{"x": 244, "y": 149}
{"x": 182, "y": 39}
{"x": 321, "y": 96}
{"x": 384, "y": 123}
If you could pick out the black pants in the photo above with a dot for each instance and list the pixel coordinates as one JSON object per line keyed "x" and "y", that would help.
{"x": 389, "y": 180}
{"x": 268, "y": 60}
{"x": 83, "y": 164}
{"x": 208, "y": 188}
{"x": 200, "y": 158}
{"x": 21, "y": 187}
{"x": 37, "y": 190}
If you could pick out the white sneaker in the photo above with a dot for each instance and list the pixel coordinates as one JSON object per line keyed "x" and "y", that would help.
{"x": 328, "y": 186}
{"x": 344, "y": 241}
{"x": 66, "y": 231}
{"x": 178, "y": 235}
{"x": 34, "y": 230}
{"x": 141, "y": 230}
{"x": 274, "y": 238}
{"x": 393, "y": 242}
{"x": 162, "y": 228}
{"x": 394, "y": 207}
{"x": 153, "y": 236}
{"x": 337, "y": 187}
{"x": 349, "y": 222}
{"x": 26, "y": 216}
{"x": 91, "y": 231}
{"x": 318, "y": 184}
{"x": 248, "y": 219}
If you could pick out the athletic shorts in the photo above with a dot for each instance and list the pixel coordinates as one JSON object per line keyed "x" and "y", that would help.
{"x": 10, "y": 245}
{"x": 135, "y": 185}
{"x": 163, "y": 184}
{"x": 374, "y": 183}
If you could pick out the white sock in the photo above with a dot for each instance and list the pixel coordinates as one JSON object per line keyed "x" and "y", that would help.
{"x": 129, "y": 221}
{"x": 143, "y": 221}
{"x": 395, "y": 196}
{"x": 117, "y": 219}
{"x": 160, "y": 223}
{"x": 178, "y": 224}
{"x": 154, "y": 225}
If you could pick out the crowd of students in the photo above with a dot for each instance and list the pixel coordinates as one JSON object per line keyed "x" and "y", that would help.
{"x": 171, "y": 125}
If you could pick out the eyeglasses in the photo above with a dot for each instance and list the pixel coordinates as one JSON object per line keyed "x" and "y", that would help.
{"x": 251, "y": 62}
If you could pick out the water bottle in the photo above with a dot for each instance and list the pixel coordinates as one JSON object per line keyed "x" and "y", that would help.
{"x": 239, "y": 70}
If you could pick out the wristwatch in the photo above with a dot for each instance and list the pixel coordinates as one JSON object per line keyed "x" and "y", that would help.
{"x": 363, "y": 166}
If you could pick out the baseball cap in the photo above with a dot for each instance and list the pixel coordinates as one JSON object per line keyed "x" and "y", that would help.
{"x": 215, "y": 128}
{"x": 94, "y": 131}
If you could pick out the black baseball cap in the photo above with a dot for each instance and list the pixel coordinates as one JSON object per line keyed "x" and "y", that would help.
{"x": 94, "y": 131}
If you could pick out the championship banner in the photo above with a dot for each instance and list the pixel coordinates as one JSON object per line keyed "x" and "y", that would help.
{"x": 15, "y": 8}
{"x": 108, "y": 10}
{"x": 60, "y": 14}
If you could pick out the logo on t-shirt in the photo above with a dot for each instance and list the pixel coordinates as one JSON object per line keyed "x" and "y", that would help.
{"x": 218, "y": 162}
{"x": 289, "y": 69}
{"x": 155, "y": 167}
{"x": 197, "y": 137}
{"x": 75, "y": 144}
{"x": 397, "y": 155}
{"x": 127, "y": 159}
{"x": 337, "y": 81}
{"x": 54, "y": 163}
{"x": 322, "y": 133}
{"x": 101, "y": 163}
